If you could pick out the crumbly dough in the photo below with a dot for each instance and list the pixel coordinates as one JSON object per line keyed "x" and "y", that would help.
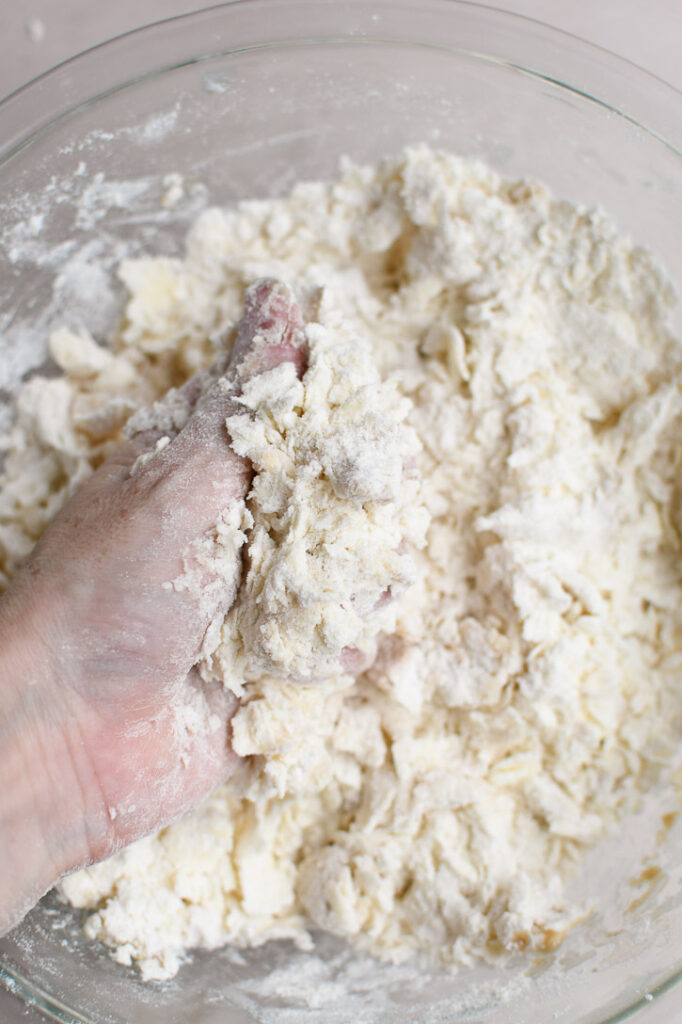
{"x": 335, "y": 510}
{"x": 332, "y": 517}
{"x": 525, "y": 689}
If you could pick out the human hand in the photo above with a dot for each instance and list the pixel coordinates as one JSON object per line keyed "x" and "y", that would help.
{"x": 106, "y": 730}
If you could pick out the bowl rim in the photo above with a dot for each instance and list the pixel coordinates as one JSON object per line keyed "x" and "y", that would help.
{"x": 618, "y": 84}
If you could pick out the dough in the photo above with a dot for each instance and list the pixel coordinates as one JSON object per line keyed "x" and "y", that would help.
{"x": 336, "y": 511}
{"x": 513, "y": 352}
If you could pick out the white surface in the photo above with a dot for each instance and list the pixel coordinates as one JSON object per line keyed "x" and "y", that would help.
{"x": 35, "y": 35}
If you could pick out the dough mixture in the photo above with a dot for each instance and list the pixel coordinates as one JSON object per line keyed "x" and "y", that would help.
{"x": 490, "y": 428}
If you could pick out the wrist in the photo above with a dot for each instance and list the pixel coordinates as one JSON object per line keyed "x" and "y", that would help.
{"x": 43, "y": 805}
{"x": 41, "y": 834}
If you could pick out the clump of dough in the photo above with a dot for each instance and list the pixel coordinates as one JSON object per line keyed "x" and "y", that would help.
{"x": 336, "y": 512}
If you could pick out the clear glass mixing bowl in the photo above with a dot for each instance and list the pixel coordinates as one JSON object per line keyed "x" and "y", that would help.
{"x": 243, "y": 100}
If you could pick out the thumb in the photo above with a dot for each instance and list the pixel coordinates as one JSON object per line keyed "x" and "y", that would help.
{"x": 193, "y": 416}
{"x": 200, "y": 459}
{"x": 270, "y": 333}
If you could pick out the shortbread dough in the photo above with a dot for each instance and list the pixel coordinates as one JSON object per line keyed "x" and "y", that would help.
{"x": 491, "y": 428}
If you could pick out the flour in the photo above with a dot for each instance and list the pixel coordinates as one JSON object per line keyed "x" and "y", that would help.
{"x": 503, "y": 359}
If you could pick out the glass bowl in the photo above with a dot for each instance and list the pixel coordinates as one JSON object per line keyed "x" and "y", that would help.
{"x": 242, "y": 100}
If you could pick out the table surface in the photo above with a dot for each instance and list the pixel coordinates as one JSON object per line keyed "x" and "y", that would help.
{"x": 36, "y": 35}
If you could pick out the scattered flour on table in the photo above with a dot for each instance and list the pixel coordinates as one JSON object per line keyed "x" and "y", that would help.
{"x": 526, "y": 684}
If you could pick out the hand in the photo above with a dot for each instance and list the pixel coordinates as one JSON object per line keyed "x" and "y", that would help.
{"x": 106, "y": 730}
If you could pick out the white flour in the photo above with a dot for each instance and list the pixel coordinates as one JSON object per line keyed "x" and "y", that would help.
{"x": 526, "y": 689}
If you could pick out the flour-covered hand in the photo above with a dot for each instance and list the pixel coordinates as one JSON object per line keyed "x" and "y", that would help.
{"x": 106, "y": 730}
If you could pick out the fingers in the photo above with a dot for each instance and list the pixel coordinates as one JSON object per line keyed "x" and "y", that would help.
{"x": 354, "y": 662}
{"x": 191, "y": 420}
{"x": 269, "y": 334}
{"x": 271, "y": 330}
{"x": 156, "y": 425}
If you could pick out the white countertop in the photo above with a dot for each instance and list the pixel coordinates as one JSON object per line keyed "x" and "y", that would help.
{"x": 36, "y": 34}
